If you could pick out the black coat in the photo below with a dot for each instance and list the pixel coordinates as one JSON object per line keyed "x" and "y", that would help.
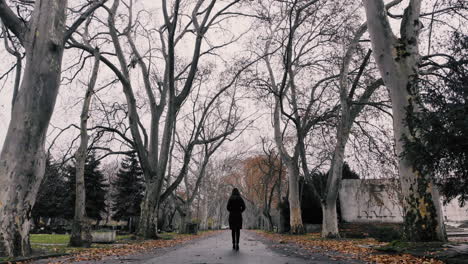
{"x": 235, "y": 206}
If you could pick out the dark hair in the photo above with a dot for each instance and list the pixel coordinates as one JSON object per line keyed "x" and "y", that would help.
{"x": 235, "y": 191}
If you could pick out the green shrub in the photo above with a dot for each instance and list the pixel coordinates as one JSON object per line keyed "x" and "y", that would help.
{"x": 385, "y": 233}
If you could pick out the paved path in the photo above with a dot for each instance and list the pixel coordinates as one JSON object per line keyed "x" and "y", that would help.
{"x": 217, "y": 249}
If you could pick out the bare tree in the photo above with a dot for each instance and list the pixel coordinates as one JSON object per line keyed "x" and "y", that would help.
{"x": 398, "y": 62}
{"x": 22, "y": 160}
{"x": 350, "y": 109}
{"x": 81, "y": 235}
{"x": 299, "y": 104}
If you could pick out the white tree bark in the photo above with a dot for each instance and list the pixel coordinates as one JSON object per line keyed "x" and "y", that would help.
{"x": 80, "y": 234}
{"x": 22, "y": 159}
{"x": 293, "y": 175}
{"x": 397, "y": 60}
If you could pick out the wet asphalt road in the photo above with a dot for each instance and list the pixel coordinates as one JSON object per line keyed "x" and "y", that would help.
{"x": 217, "y": 249}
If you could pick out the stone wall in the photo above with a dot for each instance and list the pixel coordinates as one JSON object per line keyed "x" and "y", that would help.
{"x": 370, "y": 201}
{"x": 379, "y": 201}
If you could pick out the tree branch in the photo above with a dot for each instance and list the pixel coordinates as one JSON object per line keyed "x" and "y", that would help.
{"x": 12, "y": 22}
{"x": 81, "y": 19}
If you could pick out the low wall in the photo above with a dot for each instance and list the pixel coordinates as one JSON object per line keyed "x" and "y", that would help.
{"x": 104, "y": 236}
{"x": 370, "y": 201}
{"x": 379, "y": 201}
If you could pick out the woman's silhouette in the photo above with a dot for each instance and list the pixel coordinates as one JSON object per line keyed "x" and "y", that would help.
{"x": 235, "y": 206}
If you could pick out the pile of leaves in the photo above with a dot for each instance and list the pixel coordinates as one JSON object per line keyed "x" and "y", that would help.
{"x": 362, "y": 249}
{"x": 93, "y": 254}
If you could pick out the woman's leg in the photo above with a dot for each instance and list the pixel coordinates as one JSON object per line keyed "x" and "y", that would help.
{"x": 233, "y": 233}
{"x": 237, "y": 237}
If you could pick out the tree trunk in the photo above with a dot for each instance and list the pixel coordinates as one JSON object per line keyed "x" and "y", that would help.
{"x": 330, "y": 217}
{"x": 171, "y": 220}
{"x": 80, "y": 234}
{"x": 294, "y": 201}
{"x": 130, "y": 224}
{"x": 280, "y": 218}
{"x": 269, "y": 221}
{"x": 293, "y": 173}
{"x": 423, "y": 216}
{"x": 185, "y": 219}
{"x": 148, "y": 226}
{"x": 330, "y": 220}
{"x": 182, "y": 221}
{"x": 397, "y": 60}
{"x": 204, "y": 221}
{"x": 22, "y": 160}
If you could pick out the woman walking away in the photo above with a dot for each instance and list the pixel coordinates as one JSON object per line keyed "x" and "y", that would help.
{"x": 235, "y": 206}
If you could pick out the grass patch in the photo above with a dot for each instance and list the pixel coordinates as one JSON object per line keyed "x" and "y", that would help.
{"x": 120, "y": 238}
{"x": 49, "y": 239}
{"x": 58, "y": 243}
{"x": 167, "y": 236}
{"x": 58, "y": 239}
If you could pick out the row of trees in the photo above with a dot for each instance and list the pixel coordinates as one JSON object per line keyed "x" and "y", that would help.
{"x": 56, "y": 197}
{"x": 317, "y": 66}
{"x": 304, "y": 86}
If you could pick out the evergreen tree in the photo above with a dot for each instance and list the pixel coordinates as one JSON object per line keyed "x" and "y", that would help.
{"x": 51, "y": 196}
{"x": 96, "y": 188}
{"x": 442, "y": 124}
{"x": 129, "y": 188}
